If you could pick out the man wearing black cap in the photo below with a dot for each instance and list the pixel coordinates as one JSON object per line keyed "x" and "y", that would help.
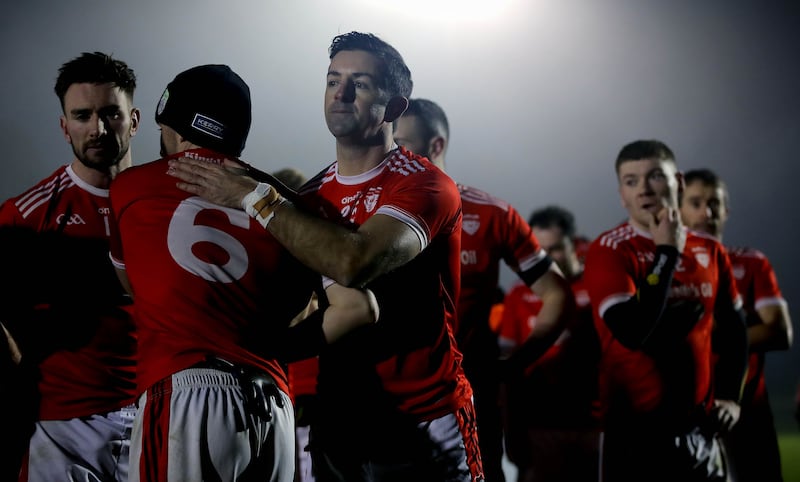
{"x": 214, "y": 298}
{"x": 393, "y": 400}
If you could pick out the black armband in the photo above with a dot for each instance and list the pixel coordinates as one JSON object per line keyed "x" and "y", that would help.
{"x": 304, "y": 340}
{"x": 531, "y": 275}
{"x": 730, "y": 343}
{"x": 632, "y": 322}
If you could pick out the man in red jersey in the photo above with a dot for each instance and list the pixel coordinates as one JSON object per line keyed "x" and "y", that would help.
{"x": 214, "y": 296}
{"x": 394, "y": 403}
{"x": 656, "y": 290}
{"x": 66, "y": 313}
{"x": 752, "y": 445}
{"x": 492, "y": 231}
{"x": 551, "y": 424}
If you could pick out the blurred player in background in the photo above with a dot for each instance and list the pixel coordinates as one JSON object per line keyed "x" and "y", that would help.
{"x": 752, "y": 445}
{"x": 551, "y": 419}
{"x": 492, "y": 231}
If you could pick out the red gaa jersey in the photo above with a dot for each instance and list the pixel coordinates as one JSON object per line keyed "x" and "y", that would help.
{"x": 406, "y": 364}
{"x": 631, "y": 379}
{"x": 71, "y": 218}
{"x": 207, "y": 280}
{"x": 492, "y": 231}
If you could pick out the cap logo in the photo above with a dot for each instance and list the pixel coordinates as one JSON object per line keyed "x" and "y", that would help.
{"x": 162, "y": 102}
{"x": 208, "y": 126}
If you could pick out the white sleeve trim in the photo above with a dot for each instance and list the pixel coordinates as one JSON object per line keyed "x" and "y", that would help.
{"x": 770, "y": 301}
{"x": 116, "y": 262}
{"x": 612, "y": 300}
{"x": 409, "y": 220}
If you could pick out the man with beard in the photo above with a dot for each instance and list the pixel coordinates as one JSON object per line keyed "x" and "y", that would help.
{"x": 393, "y": 401}
{"x": 63, "y": 310}
{"x": 752, "y": 445}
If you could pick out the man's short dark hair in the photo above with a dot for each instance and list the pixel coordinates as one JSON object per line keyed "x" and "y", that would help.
{"x": 396, "y": 79}
{"x": 554, "y": 217}
{"x": 707, "y": 177}
{"x": 644, "y": 149}
{"x": 95, "y": 68}
{"x": 430, "y": 118}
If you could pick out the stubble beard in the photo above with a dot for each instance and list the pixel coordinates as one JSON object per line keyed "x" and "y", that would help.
{"x": 105, "y": 164}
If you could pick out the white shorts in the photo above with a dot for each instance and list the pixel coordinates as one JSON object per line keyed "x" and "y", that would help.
{"x": 83, "y": 449}
{"x": 195, "y": 426}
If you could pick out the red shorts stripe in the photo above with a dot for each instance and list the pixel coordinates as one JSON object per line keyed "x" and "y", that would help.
{"x": 469, "y": 431}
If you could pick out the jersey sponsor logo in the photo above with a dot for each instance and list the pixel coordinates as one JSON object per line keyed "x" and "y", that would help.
{"x": 209, "y": 126}
{"x": 350, "y": 199}
{"x": 469, "y": 256}
{"x": 197, "y": 156}
{"x": 471, "y": 223}
{"x": 73, "y": 219}
{"x": 703, "y": 290}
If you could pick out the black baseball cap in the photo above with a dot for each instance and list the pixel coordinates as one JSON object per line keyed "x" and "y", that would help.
{"x": 209, "y": 105}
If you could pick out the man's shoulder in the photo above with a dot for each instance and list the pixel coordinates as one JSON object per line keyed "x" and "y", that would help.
{"x": 745, "y": 253}
{"x": 472, "y": 197}
{"x": 616, "y": 237}
{"x": 43, "y": 193}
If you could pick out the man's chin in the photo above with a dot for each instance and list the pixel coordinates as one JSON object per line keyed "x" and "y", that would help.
{"x": 100, "y": 164}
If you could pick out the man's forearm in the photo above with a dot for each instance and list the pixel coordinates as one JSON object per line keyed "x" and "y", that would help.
{"x": 325, "y": 247}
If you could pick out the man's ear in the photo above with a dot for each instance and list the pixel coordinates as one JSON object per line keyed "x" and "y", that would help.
{"x": 437, "y": 147}
{"x": 395, "y": 108}
{"x": 62, "y": 122}
{"x": 681, "y": 185}
{"x": 135, "y": 116}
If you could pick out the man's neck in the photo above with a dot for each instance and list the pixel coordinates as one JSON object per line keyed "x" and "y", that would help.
{"x": 98, "y": 178}
{"x": 355, "y": 159}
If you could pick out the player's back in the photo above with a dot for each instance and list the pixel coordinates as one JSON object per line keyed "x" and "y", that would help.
{"x": 492, "y": 231}
{"x": 206, "y": 279}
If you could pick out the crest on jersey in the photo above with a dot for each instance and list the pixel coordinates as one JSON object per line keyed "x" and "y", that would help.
{"x": 371, "y": 200}
{"x": 738, "y": 271}
{"x": 471, "y": 223}
{"x": 703, "y": 259}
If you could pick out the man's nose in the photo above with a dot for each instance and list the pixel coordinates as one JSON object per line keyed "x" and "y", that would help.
{"x": 98, "y": 126}
{"x": 346, "y": 92}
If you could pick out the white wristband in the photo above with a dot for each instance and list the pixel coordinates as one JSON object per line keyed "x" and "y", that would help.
{"x": 260, "y": 192}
